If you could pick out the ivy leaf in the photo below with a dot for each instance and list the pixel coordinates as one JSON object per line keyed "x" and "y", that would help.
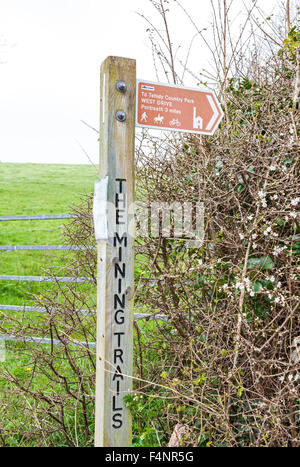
{"x": 257, "y": 286}
{"x": 265, "y": 262}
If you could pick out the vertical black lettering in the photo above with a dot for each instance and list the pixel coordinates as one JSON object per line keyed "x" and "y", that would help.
{"x": 117, "y": 418}
{"x": 118, "y": 373}
{"x": 120, "y": 180}
{"x": 119, "y": 334}
{"x": 116, "y": 409}
{"x": 120, "y": 240}
{"x": 119, "y": 215}
{"x": 119, "y": 319}
{"x": 119, "y": 302}
{"x": 118, "y": 353}
{"x": 119, "y": 270}
{"x": 120, "y": 199}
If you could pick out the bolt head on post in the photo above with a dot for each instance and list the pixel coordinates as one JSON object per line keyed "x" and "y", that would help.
{"x": 120, "y": 115}
{"x": 121, "y": 86}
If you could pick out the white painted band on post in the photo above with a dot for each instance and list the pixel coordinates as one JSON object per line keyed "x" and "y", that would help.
{"x": 100, "y": 209}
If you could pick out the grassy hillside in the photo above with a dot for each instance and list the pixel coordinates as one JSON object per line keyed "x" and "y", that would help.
{"x": 36, "y": 189}
{"x": 46, "y": 188}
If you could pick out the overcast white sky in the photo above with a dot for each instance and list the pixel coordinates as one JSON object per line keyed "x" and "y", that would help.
{"x": 50, "y": 56}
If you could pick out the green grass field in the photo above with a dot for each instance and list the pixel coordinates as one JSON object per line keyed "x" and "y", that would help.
{"x": 27, "y": 189}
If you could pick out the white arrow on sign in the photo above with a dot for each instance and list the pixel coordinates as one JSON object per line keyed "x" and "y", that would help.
{"x": 215, "y": 113}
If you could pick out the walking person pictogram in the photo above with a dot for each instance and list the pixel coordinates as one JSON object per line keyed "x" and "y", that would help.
{"x": 144, "y": 117}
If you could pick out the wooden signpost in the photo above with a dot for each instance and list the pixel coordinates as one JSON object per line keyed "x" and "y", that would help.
{"x": 158, "y": 106}
{"x": 115, "y": 252}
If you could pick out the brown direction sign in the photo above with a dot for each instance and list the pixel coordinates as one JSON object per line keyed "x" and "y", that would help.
{"x": 168, "y": 107}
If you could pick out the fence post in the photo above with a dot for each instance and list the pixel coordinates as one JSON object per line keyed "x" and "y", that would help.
{"x": 115, "y": 254}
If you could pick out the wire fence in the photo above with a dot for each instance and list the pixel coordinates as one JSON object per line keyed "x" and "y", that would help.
{"x": 44, "y": 340}
{"x": 83, "y": 280}
{"x": 45, "y": 247}
{"x": 37, "y": 217}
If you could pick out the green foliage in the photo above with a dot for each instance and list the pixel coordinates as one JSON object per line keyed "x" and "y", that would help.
{"x": 263, "y": 263}
{"x": 291, "y": 44}
{"x": 146, "y": 412}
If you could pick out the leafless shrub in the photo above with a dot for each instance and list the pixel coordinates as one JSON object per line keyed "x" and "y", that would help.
{"x": 234, "y": 303}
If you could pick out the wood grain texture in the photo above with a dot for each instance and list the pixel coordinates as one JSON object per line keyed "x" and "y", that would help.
{"x": 115, "y": 257}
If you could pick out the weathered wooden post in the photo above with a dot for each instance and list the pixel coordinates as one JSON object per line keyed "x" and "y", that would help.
{"x": 115, "y": 251}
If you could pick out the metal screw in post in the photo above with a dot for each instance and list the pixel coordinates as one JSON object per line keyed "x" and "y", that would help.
{"x": 120, "y": 115}
{"x": 121, "y": 86}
